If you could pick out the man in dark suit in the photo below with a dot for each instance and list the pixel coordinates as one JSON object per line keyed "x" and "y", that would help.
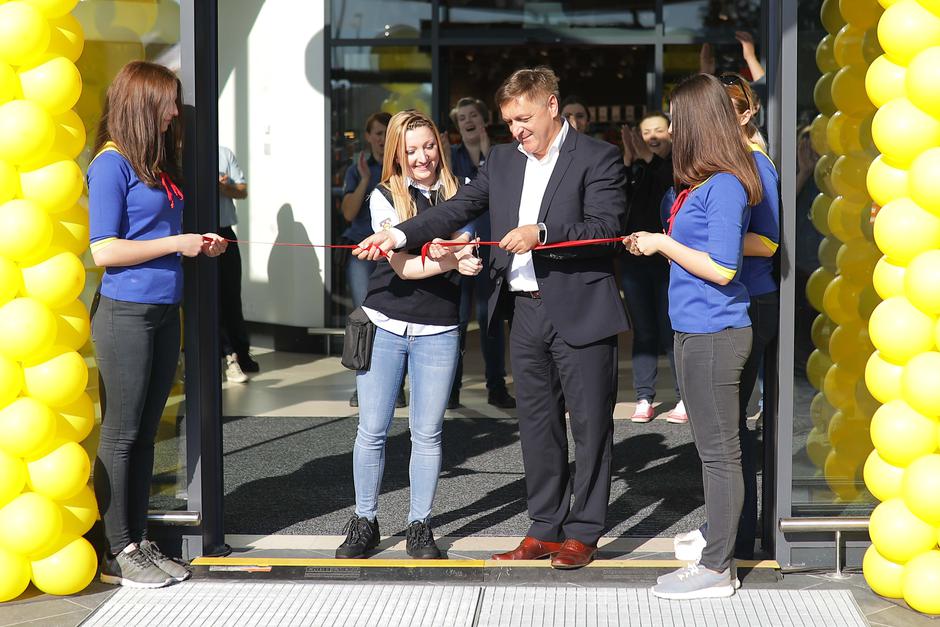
{"x": 551, "y": 184}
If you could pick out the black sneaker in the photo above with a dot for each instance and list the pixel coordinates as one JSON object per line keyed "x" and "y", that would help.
{"x": 171, "y": 567}
{"x": 362, "y": 535}
{"x": 248, "y": 363}
{"x": 419, "y": 541}
{"x": 499, "y": 397}
{"x": 354, "y": 399}
{"x": 132, "y": 569}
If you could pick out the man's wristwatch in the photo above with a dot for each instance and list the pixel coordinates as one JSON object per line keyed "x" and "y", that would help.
{"x": 543, "y": 233}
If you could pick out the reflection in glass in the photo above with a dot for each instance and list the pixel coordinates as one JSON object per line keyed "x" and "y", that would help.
{"x": 710, "y": 18}
{"x": 507, "y": 14}
{"x": 380, "y": 19}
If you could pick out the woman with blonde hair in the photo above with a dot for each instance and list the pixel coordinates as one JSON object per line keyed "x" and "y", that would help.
{"x": 414, "y": 306}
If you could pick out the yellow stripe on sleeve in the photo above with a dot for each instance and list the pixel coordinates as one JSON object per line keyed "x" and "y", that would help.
{"x": 728, "y": 273}
{"x": 101, "y": 243}
{"x": 769, "y": 243}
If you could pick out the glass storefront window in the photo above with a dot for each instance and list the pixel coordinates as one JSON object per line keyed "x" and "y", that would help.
{"x": 380, "y": 19}
{"x": 457, "y": 15}
{"x": 115, "y": 34}
{"x": 711, "y": 18}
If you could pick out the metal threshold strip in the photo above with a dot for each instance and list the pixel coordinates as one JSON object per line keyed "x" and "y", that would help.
{"x": 448, "y": 563}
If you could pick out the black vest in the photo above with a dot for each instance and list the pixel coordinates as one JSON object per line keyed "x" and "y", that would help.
{"x": 434, "y": 300}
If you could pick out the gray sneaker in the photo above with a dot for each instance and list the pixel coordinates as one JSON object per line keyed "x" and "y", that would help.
{"x": 675, "y": 573}
{"x": 132, "y": 569}
{"x": 171, "y": 567}
{"x": 695, "y": 582}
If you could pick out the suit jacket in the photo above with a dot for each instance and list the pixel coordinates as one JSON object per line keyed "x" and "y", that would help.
{"x": 584, "y": 199}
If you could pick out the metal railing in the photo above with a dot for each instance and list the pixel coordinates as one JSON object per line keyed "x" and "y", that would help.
{"x": 824, "y": 524}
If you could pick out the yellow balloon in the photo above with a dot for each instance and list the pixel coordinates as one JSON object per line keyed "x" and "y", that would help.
{"x": 888, "y": 278}
{"x": 863, "y": 14}
{"x": 881, "y": 478}
{"x": 847, "y": 47}
{"x": 9, "y": 182}
{"x": 27, "y": 426}
{"x": 821, "y": 173}
{"x": 25, "y": 229}
{"x": 850, "y": 347}
{"x": 11, "y": 380}
{"x": 70, "y": 230}
{"x": 842, "y": 134}
{"x": 54, "y": 186}
{"x": 922, "y": 81}
{"x": 904, "y": 230}
{"x": 865, "y": 404}
{"x": 26, "y": 128}
{"x": 921, "y": 488}
{"x": 907, "y": 28}
{"x": 839, "y": 387}
{"x": 902, "y": 131}
{"x": 56, "y": 280}
{"x": 27, "y": 327}
{"x": 856, "y": 260}
{"x": 817, "y": 366}
{"x": 818, "y": 134}
{"x": 816, "y": 287}
{"x": 844, "y": 427}
{"x": 848, "y": 91}
{"x": 920, "y": 582}
{"x": 16, "y": 572}
{"x": 897, "y": 533}
{"x": 68, "y": 570}
{"x": 79, "y": 513}
{"x": 883, "y": 378}
{"x": 922, "y": 181}
{"x": 817, "y": 447}
{"x": 886, "y": 182}
{"x": 69, "y": 135}
{"x": 53, "y": 8}
{"x": 840, "y": 300}
{"x": 848, "y": 176}
{"x": 61, "y": 473}
{"x": 831, "y": 17}
{"x": 56, "y": 377}
{"x": 920, "y": 383}
{"x": 821, "y": 332}
{"x": 76, "y": 420}
{"x": 821, "y": 411}
{"x": 819, "y": 213}
{"x": 902, "y": 434}
{"x": 54, "y": 83}
{"x": 67, "y": 38}
{"x": 24, "y": 33}
{"x": 9, "y": 83}
{"x": 825, "y": 60}
{"x": 922, "y": 282}
{"x": 10, "y": 280}
{"x": 12, "y": 477}
{"x": 29, "y": 523}
{"x": 884, "y": 81}
{"x": 72, "y": 325}
{"x": 871, "y": 49}
{"x": 841, "y": 475}
{"x": 883, "y": 576}
{"x": 931, "y": 5}
{"x": 899, "y": 330}
{"x": 868, "y": 299}
{"x": 822, "y": 94}
{"x": 827, "y": 251}
{"x": 846, "y": 216}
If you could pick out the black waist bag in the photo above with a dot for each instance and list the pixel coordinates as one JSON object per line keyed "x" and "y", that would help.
{"x": 357, "y": 341}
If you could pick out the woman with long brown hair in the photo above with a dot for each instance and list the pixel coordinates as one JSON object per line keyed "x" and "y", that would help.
{"x": 135, "y": 215}
{"x": 414, "y": 307}
{"x": 717, "y": 181}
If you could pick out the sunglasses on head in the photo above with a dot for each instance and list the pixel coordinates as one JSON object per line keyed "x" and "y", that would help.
{"x": 732, "y": 80}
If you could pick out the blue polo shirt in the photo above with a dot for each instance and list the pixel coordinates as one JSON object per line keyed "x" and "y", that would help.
{"x": 361, "y": 226}
{"x": 757, "y": 273}
{"x": 713, "y": 219}
{"x": 120, "y": 206}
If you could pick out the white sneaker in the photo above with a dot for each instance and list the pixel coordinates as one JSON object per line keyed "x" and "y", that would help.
{"x": 689, "y": 546}
{"x": 678, "y": 415}
{"x": 643, "y": 412}
{"x": 233, "y": 372}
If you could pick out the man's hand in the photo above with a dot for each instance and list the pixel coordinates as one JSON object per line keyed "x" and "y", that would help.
{"x": 640, "y": 148}
{"x": 747, "y": 44}
{"x": 468, "y": 265}
{"x": 626, "y": 135}
{"x": 375, "y": 246}
{"x": 706, "y": 59}
{"x": 362, "y": 165}
{"x": 521, "y": 239}
{"x": 436, "y": 252}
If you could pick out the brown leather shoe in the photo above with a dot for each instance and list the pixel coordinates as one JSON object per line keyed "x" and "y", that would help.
{"x": 573, "y": 554}
{"x": 530, "y": 549}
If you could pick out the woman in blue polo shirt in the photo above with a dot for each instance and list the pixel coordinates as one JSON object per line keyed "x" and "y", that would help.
{"x": 135, "y": 216}
{"x": 718, "y": 183}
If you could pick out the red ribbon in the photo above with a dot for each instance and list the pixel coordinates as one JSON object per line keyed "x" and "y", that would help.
{"x": 567, "y": 244}
{"x": 171, "y": 189}
{"x": 676, "y": 205}
{"x": 208, "y": 240}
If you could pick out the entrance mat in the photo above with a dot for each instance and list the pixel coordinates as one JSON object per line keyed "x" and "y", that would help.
{"x": 236, "y": 603}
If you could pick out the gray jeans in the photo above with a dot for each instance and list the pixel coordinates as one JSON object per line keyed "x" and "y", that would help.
{"x": 709, "y": 370}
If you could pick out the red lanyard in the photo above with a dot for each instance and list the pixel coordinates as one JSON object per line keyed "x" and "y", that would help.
{"x": 676, "y": 205}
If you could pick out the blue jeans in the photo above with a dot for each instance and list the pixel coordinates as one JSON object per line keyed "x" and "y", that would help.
{"x": 431, "y": 360}
{"x": 357, "y": 276}
{"x": 646, "y": 290}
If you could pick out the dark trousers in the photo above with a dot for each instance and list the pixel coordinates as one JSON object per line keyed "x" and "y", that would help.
{"x": 473, "y": 291}
{"x": 765, "y": 313}
{"x": 137, "y": 348}
{"x": 233, "y": 335}
{"x": 645, "y": 282}
{"x": 709, "y": 367}
{"x": 549, "y": 374}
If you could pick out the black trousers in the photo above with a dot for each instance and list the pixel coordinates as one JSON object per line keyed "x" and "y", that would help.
{"x": 550, "y": 374}
{"x": 137, "y": 348}
{"x": 233, "y": 335}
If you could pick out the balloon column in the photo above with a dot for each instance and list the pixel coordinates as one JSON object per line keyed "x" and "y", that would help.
{"x": 903, "y": 471}
{"x": 841, "y": 288}
{"x": 45, "y": 503}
